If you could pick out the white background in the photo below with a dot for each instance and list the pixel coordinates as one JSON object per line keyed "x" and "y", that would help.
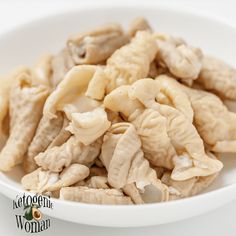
{"x": 219, "y": 222}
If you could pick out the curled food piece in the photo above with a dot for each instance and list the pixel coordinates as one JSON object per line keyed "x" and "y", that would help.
{"x": 169, "y": 90}
{"x": 72, "y": 86}
{"x": 97, "y": 45}
{"x": 150, "y": 125}
{"x": 214, "y": 122}
{"x": 43, "y": 71}
{"x": 72, "y": 151}
{"x": 61, "y": 64}
{"x": 41, "y": 181}
{"x": 189, "y": 187}
{"x": 24, "y": 98}
{"x": 191, "y": 159}
{"x": 95, "y": 196}
{"x": 62, "y": 136}
{"x": 89, "y": 126}
{"x": 139, "y": 24}
{"x": 126, "y": 164}
{"x": 218, "y": 77}
{"x": 126, "y": 65}
{"x": 47, "y": 130}
{"x": 5, "y": 88}
{"x": 98, "y": 182}
{"x": 182, "y": 60}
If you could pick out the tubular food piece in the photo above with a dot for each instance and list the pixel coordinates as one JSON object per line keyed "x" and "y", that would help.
{"x": 42, "y": 71}
{"x": 72, "y": 151}
{"x": 61, "y": 64}
{"x": 41, "y": 181}
{"x": 47, "y": 130}
{"x": 73, "y": 85}
{"x": 5, "y": 88}
{"x": 150, "y": 126}
{"x": 139, "y": 24}
{"x": 189, "y": 187}
{"x": 89, "y": 126}
{"x": 214, "y": 122}
{"x": 218, "y": 77}
{"x": 126, "y": 164}
{"x": 97, "y": 45}
{"x": 62, "y": 136}
{"x": 94, "y": 196}
{"x": 191, "y": 159}
{"x": 126, "y": 65}
{"x": 169, "y": 88}
{"x": 24, "y": 98}
{"x": 182, "y": 60}
{"x": 98, "y": 182}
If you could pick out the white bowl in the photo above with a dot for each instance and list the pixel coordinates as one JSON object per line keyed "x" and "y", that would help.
{"x": 25, "y": 44}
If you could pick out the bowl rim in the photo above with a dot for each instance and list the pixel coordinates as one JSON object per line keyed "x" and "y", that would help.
{"x": 105, "y": 5}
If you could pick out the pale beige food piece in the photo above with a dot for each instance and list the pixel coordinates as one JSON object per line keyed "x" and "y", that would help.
{"x": 191, "y": 159}
{"x": 24, "y": 98}
{"x": 182, "y": 60}
{"x": 89, "y": 126}
{"x": 139, "y": 24}
{"x": 69, "y": 90}
{"x": 95, "y": 196}
{"x": 46, "y": 131}
{"x": 62, "y": 136}
{"x": 98, "y": 182}
{"x": 214, "y": 122}
{"x": 169, "y": 89}
{"x": 96, "y": 46}
{"x": 150, "y": 125}
{"x": 5, "y": 88}
{"x": 61, "y": 64}
{"x": 218, "y": 77}
{"x": 124, "y": 160}
{"x": 41, "y": 181}
{"x": 189, "y": 187}
{"x": 72, "y": 151}
{"x": 42, "y": 71}
{"x": 126, "y": 65}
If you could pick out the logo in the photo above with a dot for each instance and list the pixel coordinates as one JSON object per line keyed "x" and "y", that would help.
{"x": 31, "y": 219}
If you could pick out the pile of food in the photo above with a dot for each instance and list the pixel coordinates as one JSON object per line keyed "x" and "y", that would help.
{"x": 119, "y": 118}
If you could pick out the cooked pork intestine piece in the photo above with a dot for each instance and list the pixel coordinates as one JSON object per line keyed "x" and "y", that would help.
{"x": 42, "y": 71}
{"x": 89, "y": 126}
{"x": 218, "y": 77}
{"x": 124, "y": 160}
{"x": 139, "y": 24}
{"x": 41, "y": 181}
{"x": 126, "y": 65}
{"x": 46, "y": 131}
{"x": 191, "y": 159}
{"x": 182, "y": 60}
{"x": 214, "y": 122}
{"x": 96, "y": 46}
{"x": 69, "y": 89}
{"x": 94, "y": 196}
{"x": 189, "y": 187}
{"x": 24, "y": 98}
{"x": 61, "y": 64}
{"x": 72, "y": 151}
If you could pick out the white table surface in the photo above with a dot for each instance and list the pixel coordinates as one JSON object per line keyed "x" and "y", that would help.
{"x": 219, "y": 222}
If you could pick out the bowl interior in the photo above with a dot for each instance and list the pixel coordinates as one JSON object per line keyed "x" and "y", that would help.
{"x": 24, "y": 45}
